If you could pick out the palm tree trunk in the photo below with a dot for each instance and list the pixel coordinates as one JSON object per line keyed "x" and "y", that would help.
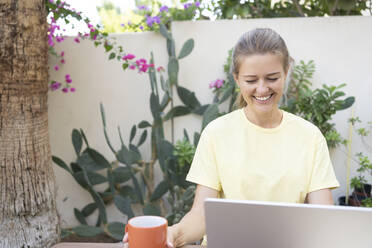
{"x": 28, "y": 215}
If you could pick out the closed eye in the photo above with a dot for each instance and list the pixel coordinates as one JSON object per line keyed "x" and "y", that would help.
{"x": 272, "y": 79}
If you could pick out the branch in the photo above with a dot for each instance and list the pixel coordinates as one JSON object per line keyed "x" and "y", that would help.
{"x": 334, "y": 7}
{"x": 298, "y": 7}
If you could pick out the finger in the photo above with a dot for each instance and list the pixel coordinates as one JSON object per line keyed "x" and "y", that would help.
{"x": 169, "y": 245}
{"x": 125, "y": 239}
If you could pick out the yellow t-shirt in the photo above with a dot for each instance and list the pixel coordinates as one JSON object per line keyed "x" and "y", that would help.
{"x": 245, "y": 161}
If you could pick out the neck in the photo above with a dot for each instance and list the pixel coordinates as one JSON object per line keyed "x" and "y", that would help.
{"x": 270, "y": 119}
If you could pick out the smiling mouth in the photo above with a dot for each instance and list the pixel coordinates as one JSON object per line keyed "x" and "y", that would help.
{"x": 263, "y": 99}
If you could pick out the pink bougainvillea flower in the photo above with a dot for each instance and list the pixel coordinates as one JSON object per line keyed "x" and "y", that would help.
{"x": 95, "y": 37}
{"x": 62, "y": 61}
{"x": 151, "y": 65}
{"x": 56, "y": 67}
{"x": 129, "y": 56}
{"x": 62, "y": 53}
{"x": 92, "y": 30}
{"x": 216, "y": 84}
{"x": 55, "y": 86}
{"x": 77, "y": 40}
{"x": 65, "y": 90}
{"x": 90, "y": 25}
{"x": 132, "y": 67}
{"x": 72, "y": 89}
{"x": 160, "y": 68}
{"x": 144, "y": 68}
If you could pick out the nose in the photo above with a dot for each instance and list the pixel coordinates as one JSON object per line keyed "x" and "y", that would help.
{"x": 262, "y": 87}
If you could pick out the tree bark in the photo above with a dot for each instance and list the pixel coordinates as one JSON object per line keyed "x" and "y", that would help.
{"x": 28, "y": 215}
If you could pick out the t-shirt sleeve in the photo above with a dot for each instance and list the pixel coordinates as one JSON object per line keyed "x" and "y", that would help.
{"x": 323, "y": 175}
{"x": 203, "y": 168}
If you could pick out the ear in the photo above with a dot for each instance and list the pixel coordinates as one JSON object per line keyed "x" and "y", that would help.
{"x": 236, "y": 78}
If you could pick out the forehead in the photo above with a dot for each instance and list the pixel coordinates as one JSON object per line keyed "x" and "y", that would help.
{"x": 258, "y": 64}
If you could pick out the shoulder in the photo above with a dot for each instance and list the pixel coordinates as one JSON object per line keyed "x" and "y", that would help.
{"x": 224, "y": 122}
{"x": 298, "y": 124}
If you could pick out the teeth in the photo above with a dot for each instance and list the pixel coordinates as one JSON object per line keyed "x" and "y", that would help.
{"x": 264, "y": 98}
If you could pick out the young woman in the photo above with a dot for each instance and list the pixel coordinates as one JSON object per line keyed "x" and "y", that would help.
{"x": 257, "y": 152}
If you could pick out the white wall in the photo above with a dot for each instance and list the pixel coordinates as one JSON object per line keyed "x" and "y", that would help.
{"x": 340, "y": 47}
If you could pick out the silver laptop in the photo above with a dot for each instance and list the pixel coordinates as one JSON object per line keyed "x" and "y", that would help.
{"x": 254, "y": 224}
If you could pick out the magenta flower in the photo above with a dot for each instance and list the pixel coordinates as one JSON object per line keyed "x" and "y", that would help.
{"x": 68, "y": 78}
{"x": 216, "y": 84}
{"x": 164, "y": 8}
{"x": 160, "y": 68}
{"x": 62, "y": 61}
{"x": 65, "y": 90}
{"x": 95, "y": 37}
{"x": 90, "y": 25}
{"x": 132, "y": 67}
{"x": 62, "y": 53}
{"x": 72, "y": 89}
{"x": 129, "y": 56}
{"x": 55, "y": 86}
{"x": 77, "y": 40}
{"x": 92, "y": 30}
{"x": 56, "y": 67}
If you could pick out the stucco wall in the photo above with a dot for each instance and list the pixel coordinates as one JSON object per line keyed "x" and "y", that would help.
{"x": 340, "y": 47}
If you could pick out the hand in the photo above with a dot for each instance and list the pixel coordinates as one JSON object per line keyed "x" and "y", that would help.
{"x": 170, "y": 239}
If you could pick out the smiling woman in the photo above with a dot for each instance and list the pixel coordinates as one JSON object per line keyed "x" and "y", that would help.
{"x": 257, "y": 152}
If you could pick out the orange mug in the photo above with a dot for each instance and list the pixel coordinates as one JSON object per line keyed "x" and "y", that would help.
{"x": 147, "y": 232}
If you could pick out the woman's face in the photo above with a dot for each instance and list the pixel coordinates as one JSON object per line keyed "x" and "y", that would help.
{"x": 261, "y": 80}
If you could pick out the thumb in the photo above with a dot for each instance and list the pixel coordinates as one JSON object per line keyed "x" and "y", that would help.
{"x": 125, "y": 239}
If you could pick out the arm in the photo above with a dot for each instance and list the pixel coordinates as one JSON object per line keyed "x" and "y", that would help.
{"x": 192, "y": 226}
{"x": 322, "y": 196}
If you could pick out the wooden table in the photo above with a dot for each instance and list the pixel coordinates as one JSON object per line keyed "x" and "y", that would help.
{"x": 104, "y": 245}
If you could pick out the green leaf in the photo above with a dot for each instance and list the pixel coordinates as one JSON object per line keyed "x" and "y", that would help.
{"x": 77, "y": 141}
{"x": 164, "y": 102}
{"x": 228, "y": 92}
{"x": 188, "y": 98}
{"x": 196, "y": 138}
{"x": 75, "y": 167}
{"x": 165, "y": 151}
{"x": 127, "y": 157}
{"x": 116, "y": 230}
{"x": 124, "y": 205}
{"x": 132, "y": 133}
{"x": 155, "y": 107}
{"x": 108, "y": 47}
{"x": 150, "y": 209}
{"x": 128, "y": 191}
{"x": 84, "y": 137}
{"x": 142, "y": 138}
{"x": 348, "y": 102}
{"x": 94, "y": 178}
{"x": 112, "y": 56}
{"x": 144, "y": 124}
{"x": 124, "y": 66}
{"x": 173, "y": 68}
{"x": 121, "y": 174}
{"x": 60, "y": 163}
{"x": 87, "y": 231}
{"x": 98, "y": 158}
{"x": 186, "y": 49}
{"x": 159, "y": 191}
{"x": 89, "y": 209}
{"x": 171, "y": 47}
{"x": 177, "y": 111}
{"x": 210, "y": 114}
{"x": 163, "y": 31}
{"x": 201, "y": 109}
{"x": 80, "y": 217}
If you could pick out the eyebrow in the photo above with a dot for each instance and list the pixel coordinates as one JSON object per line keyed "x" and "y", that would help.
{"x": 270, "y": 74}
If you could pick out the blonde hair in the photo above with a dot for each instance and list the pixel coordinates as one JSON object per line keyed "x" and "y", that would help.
{"x": 258, "y": 41}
